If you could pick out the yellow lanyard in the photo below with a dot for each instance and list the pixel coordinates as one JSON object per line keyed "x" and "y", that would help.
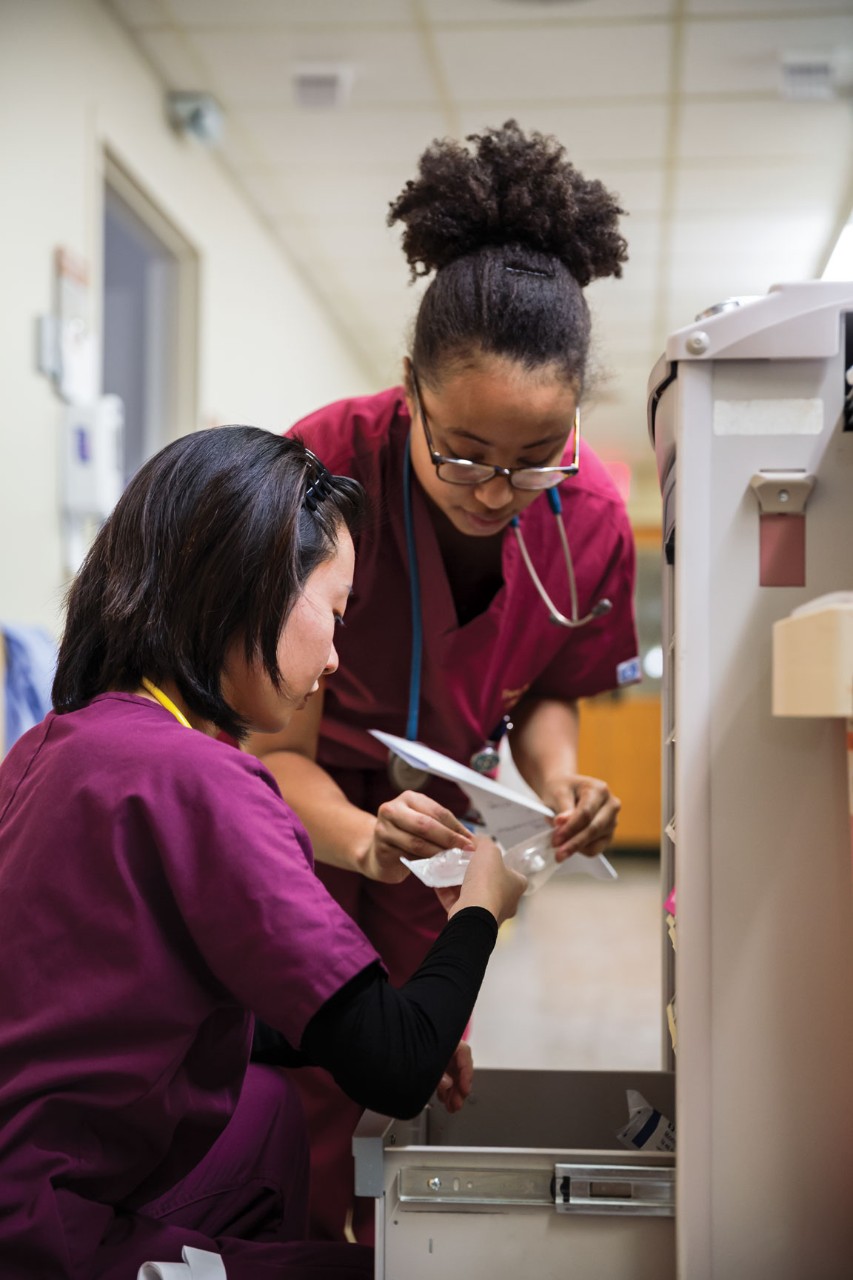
{"x": 165, "y": 702}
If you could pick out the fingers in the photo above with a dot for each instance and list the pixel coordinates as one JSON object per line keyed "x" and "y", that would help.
{"x": 589, "y": 827}
{"x": 416, "y": 826}
{"x": 490, "y": 883}
{"x": 465, "y": 1064}
{"x": 456, "y": 1083}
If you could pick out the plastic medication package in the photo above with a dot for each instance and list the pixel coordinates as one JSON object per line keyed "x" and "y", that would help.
{"x": 533, "y": 857}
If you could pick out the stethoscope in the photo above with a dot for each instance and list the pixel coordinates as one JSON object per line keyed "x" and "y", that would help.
{"x": 554, "y": 615}
{"x": 402, "y": 774}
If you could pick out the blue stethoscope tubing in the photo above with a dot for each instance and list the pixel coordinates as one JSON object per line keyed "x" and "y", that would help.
{"x": 415, "y": 595}
{"x": 602, "y": 607}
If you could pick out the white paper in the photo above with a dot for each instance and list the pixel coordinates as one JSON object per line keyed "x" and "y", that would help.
{"x": 508, "y": 817}
{"x": 198, "y": 1264}
{"x": 647, "y": 1128}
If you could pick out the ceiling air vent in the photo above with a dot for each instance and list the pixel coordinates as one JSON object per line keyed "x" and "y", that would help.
{"x": 809, "y": 77}
{"x": 322, "y": 85}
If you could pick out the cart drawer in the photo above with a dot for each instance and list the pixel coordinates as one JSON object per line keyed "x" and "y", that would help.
{"x": 528, "y": 1178}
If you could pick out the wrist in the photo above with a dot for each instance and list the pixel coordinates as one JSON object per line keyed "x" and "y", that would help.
{"x": 558, "y": 791}
{"x": 459, "y": 905}
{"x": 363, "y": 847}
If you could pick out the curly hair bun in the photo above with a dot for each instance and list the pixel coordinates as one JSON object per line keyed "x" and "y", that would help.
{"x": 509, "y": 188}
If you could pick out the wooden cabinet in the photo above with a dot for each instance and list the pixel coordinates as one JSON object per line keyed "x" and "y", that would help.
{"x": 620, "y": 733}
{"x": 620, "y": 741}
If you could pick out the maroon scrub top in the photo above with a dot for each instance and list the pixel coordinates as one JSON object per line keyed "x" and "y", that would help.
{"x": 154, "y": 889}
{"x": 474, "y": 674}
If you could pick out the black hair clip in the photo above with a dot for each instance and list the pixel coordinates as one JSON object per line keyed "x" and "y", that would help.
{"x": 529, "y": 271}
{"x": 320, "y": 487}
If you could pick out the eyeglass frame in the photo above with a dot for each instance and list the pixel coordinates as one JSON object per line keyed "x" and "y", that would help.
{"x": 438, "y": 459}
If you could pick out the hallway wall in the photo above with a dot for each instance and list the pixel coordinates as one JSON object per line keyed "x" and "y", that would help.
{"x": 71, "y": 86}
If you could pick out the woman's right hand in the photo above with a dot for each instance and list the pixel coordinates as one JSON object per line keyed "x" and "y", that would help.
{"x": 411, "y": 825}
{"x": 488, "y": 883}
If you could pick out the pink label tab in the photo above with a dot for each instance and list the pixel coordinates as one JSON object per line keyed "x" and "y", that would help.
{"x": 782, "y": 551}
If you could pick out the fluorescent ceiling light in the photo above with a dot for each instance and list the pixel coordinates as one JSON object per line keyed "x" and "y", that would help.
{"x": 840, "y": 265}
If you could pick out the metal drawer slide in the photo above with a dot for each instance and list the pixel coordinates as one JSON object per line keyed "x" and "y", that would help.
{"x": 579, "y": 1188}
{"x": 605, "y": 1188}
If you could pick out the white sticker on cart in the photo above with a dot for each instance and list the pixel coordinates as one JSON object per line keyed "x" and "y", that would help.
{"x": 768, "y": 417}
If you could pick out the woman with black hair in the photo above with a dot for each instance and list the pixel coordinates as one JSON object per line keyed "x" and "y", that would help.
{"x": 156, "y": 893}
{"x": 495, "y": 575}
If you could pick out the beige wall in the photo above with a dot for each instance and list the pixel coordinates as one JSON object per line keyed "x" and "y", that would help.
{"x": 71, "y": 85}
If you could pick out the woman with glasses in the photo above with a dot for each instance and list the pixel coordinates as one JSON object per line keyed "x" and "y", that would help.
{"x": 495, "y": 574}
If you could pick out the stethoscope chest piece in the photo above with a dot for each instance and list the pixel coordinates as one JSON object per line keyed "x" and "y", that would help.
{"x": 486, "y": 760}
{"x": 405, "y": 776}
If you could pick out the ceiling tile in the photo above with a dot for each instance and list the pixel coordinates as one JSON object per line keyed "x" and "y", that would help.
{"x": 780, "y": 237}
{"x": 174, "y": 59}
{"x": 638, "y": 275}
{"x": 592, "y": 133}
{"x": 755, "y": 192}
{"x": 139, "y": 13}
{"x": 528, "y": 11}
{"x": 547, "y": 63}
{"x": 742, "y": 56}
{"x": 724, "y": 276}
{"x": 736, "y": 8}
{"x": 638, "y": 190}
{"x": 800, "y": 131}
{"x": 255, "y": 67}
{"x": 320, "y": 194}
{"x": 207, "y": 13}
{"x": 343, "y": 141}
{"x": 773, "y": 187}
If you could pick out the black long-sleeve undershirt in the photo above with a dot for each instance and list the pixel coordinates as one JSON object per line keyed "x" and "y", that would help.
{"x": 385, "y": 1046}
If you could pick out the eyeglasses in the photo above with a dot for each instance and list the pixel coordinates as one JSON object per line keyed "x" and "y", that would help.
{"x": 463, "y": 471}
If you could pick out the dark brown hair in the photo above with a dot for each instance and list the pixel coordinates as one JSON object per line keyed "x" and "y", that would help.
{"x": 212, "y": 541}
{"x": 514, "y": 233}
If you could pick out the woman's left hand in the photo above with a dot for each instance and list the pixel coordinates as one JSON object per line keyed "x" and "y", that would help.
{"x": 586, "y": 815}
{"x": 455, "y": 1085}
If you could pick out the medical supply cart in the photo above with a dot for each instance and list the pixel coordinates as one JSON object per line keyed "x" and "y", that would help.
{"x": 750, "y": 417}
{"x": 754, "y": 447}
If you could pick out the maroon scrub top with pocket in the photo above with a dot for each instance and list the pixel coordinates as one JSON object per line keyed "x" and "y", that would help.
{"x": 155, "y": 892}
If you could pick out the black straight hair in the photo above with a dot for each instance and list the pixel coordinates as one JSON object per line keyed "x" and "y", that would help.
{"x": 212, "y": 542}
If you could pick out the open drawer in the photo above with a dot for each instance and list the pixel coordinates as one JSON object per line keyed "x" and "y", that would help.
{"x": 528, "y": 1179}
